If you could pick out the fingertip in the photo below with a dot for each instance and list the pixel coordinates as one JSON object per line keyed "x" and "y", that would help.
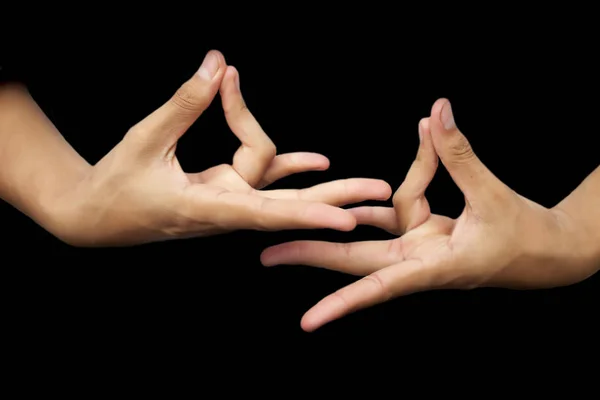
{"x": 387, "y": 190}
{"x": 442, "y": 118}
{"x": 213, "y": 67}
{"x": 229, "y": 89}
{"x": 278, "y": 254}
{"x": 435, "y": 128}
{"x": 323, "y": 162}
{"x": 424, "y": 125}
{"x": 232, "y": 70}
{"x": 265, "y": 257}
{"x": 307, "y": 324}
{"x": 230, "y": 74}
{"x": 216, "y": 53}
{"x": 220, "y": 56}
{"x": 316, "y": 161}
{"x": 381, "y": 190}
{"x": 436, "y": 109}
{"x": 360, "y": 214}
{"x": 349, "y": 224}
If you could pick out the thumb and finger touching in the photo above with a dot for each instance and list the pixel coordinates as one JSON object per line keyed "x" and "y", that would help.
{"x": 388, "y": 274}
{"x": 392, "y": 275}
{"x": 158, "y": 133}
{"x": 257, "y": 150}
{"x": 284, "y": 165}
{"x": 481, "y": 188}
{"x": 410, "y": 205}
{"x": 256, "y": 160}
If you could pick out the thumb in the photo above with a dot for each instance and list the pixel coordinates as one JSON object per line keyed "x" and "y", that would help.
{"x": 161, "y": 129}
{"x": 474, "y": 179}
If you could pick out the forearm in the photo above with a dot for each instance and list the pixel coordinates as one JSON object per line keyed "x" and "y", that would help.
{"x": 582, "y": 207}
{"x": 36, "y": 162}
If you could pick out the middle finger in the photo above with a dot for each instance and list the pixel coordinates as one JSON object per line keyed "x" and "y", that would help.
{"x": 337, "y": 193}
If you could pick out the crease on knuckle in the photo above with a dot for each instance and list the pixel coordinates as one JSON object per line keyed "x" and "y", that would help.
{"x": 216, "y": 218}
{"x": 380, "y": 285}
{"x": 347, "y": 249}
{"x": 267, "y": 151}
{"x": 348, "y": 188}
{"x": 342, "y": 298}
{"x": 396, "y": 250}
{"x": 261, "y": 214}
{"x": 461, "y": 151}
{"x": 186, "y": 99}
{"x": 236, "y": 109}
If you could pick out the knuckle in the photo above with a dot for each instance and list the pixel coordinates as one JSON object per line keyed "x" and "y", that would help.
{"x": 138, "y": 136}
{"x": 346, "y": 249}
{"x": 187, "y": 98}
{"x": 347, "y": 187}
{"x": 401, "y": 197}
{"x": 461, "y": 150}
{"x": 502, "y": 194}
{"x": 267, "y": 151}
{"x": 137, "y": 131}
{"x": 236, "y": 108}
{"x": 341, "y": 296}
{"x": 380, "y": 285}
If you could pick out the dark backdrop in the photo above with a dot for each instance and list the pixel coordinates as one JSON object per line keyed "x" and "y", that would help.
{"x": 526, "y": 104}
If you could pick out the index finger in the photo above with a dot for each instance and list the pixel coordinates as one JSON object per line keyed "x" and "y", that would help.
{"x": 381, "y": 286}
{"x": 230, "y": 210}
{"x": 257, "y": 151}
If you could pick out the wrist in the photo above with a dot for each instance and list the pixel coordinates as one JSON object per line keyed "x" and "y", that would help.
{"x": 57, "y": 202}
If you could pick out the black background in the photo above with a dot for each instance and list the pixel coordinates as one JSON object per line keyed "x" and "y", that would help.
{"x": 356, "y": 95}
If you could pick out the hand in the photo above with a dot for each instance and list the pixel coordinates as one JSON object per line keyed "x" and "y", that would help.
{"x": 138, "y": 193}
{"x": 500, "y": 240}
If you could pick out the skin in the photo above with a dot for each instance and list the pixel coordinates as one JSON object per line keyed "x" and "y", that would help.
{"x": 138, "y": 192}
{"x": 500, "y": 240}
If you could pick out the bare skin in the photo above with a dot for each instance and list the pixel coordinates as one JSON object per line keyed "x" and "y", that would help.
{"x": 138, "y": 192}
{"x": 500, "y": 240}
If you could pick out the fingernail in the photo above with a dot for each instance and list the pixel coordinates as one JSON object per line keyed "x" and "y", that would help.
{"x": 420, "y": 131}
{"x": 209, "y": 66}
{"x": 446, "y": 116}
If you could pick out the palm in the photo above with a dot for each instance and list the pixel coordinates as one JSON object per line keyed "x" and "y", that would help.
{"x": 423, "y": 257}
{"x": 501, "y": 239}
{"x": 427, "y": 243}
{"x": 254, "y": 166}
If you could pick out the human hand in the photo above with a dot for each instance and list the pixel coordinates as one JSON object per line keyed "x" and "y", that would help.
{"x": 500, "y": 240}
{"x": 138, "y": 192}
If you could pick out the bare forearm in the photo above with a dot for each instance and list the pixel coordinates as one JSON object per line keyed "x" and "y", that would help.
{"x": 36, "y": 163}
{"x": 583, "y": 208}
